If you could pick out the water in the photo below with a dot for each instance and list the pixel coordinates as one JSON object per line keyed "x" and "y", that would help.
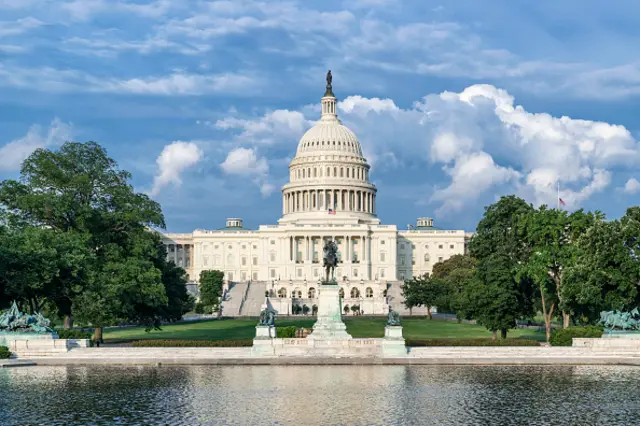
{"x": 319, "y": 395}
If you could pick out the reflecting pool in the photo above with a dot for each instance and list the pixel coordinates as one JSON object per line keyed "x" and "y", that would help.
{"x": 319, "y": 395}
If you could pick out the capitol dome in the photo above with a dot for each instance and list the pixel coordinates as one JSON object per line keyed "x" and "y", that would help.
{"x": 329, "y": 176}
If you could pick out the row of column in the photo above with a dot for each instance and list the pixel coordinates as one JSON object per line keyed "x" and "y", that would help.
{"x": 325, "y": 199}
{"x": 185, "y": 259}
{"x": 348, "y": 253}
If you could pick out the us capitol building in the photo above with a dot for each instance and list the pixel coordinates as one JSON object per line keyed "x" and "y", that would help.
{"x": 329, "y": 197}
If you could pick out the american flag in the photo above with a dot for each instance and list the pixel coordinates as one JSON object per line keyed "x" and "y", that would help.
{"x": 561, "y": 201}
{"x": 332, "y": 211}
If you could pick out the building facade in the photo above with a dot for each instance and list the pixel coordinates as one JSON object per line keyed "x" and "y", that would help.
{"x": 329, "y": 197}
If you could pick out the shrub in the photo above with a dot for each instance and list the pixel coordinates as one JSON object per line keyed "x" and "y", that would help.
{"x": 4, "y": 352}
{"x": 296, "y": 309}
{"x": 564, "y": 336}
{"x": 472, "y": 342}
{"x": 286, "y": 332}
{"x": 314, "y": 310}
{"x": 190, "y": 343}
{"x": 199, "y": 309}
{"x": 305, "y": 309}
{"x": 69, "y": 333}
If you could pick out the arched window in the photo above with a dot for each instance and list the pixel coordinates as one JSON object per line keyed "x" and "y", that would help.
{"x": 328, "y": 171}
{"x": 312, "y": 293}
{"x": 341, "y": 172}
{"x": 347, "y": 172}
{"x": 426, "y": 258}
{"x": 355, "y": 293}
{"x": 303, "y": 173}
{"x": 341, "y": 293}
{"x": 296, "y": 293}
{"x": 368, "y": 292}
{"x": 315, "y": 172}
{"x": 382, "y": 256}
{"x": 230, "y": 259}
{"x": 335, "y": 172}
{"x": 282, "y": 293}
{"x": 309, "y": 172}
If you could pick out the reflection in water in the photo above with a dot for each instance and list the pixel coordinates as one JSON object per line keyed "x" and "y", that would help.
{"x": 319, "y": 395}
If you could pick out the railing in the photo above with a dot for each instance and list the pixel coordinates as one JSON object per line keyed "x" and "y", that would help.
{"x": 244, "y": 297}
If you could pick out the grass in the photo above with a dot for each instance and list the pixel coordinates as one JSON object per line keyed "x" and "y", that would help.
{"x": 415, "y": 328}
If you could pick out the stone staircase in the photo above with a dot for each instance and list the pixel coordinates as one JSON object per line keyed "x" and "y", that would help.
{"x": 252, "y": 304}
{"x": 232, "y": 303}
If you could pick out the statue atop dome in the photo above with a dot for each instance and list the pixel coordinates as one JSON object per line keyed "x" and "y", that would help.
{"x": 329, "y": 91}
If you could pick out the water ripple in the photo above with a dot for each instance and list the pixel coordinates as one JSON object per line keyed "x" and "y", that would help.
{"x": 319, "y": 395}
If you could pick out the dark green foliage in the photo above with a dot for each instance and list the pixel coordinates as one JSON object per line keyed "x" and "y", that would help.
{"x": 4, "y": 352}
{"x": 69, "y": 333}
{"x": 564, "y": 336}
{"x": 296, "y": 309}
{"x": 472, "y": 342}
{"x": 199, "y": 308}
{"x": 305, "y": 309}
{"x": 286, "y": 332}
{"x": 191, "y": 343}
{"x": 211, "y": 288}
{"x": 314, "y": 309}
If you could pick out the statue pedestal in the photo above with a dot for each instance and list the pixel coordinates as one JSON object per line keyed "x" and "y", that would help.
{"x": 329, "y": 325}
{"x": 265, "y": 332}
{"x": 393, "y": 342}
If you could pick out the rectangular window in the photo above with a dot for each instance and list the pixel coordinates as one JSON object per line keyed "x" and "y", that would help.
{"x": 451, "y": 246}
{"x": 440, "y": 246}
{"x": 273, "y": 242}
{"x": 255, "y": 276}
{"x": 244, "y": 276}
{"x": 205, "y": 260}
{"x": 382, "y": 242}
{"x": 355, "y": 272}
{"x": 299, "y": 272}
{"x": 315, "y": 272}
{"x": 440, "y": 259}
{"x": 244, "y": 247}
{"x": 272, "y": 273}
{"x": 255, "y": 247}
{"x": 255, "y": 261}
{"x": 244, "y": 261}
{"x": 381, "y": 273}
{"x": 230, "y": 276}
{"x": 401, "y": 246}
{"x": 272, "y": 257}
{"x": 382, "y": 257}
{"x": 402, "y": 261}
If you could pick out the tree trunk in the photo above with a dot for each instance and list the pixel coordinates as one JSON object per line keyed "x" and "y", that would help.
{"x": 494, "y": 335}
{"x": 566, "y": 319}
{"x": 547, "y": 315}
{"x": 503, "y": 333}
{"x": 68, "y": 321}
{"x": 411, "y": 311}
{"x": 429, "y": 312}
{"x": 97, "y": 335}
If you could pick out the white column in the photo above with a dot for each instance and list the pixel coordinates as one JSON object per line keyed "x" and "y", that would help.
{"x": 347, "y": 241}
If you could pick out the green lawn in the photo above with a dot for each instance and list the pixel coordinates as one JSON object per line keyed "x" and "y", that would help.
{"x": 241, "y": 329}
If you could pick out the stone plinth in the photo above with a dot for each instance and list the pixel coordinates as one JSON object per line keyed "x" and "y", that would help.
{"x": 393, "y": 343}
{"x": 265, "y": 332}
{"x": 609, "y": 344}
{"x": 7, "y": 337}
{"x": 45, "y": 347}
{"x": 329, "y": 325}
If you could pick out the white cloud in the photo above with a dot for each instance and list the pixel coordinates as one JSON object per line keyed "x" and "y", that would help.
{"x": 274, "y": 127}
{"x": 20, "y": 26}
{"x": 632, "y": 186}
{"x": 174, "y": 159}
{"x": 177, "y": 84}
{"x": 15, "y": 152}
{"x": 83, "y": 10}
{"x": 245, "y": 162}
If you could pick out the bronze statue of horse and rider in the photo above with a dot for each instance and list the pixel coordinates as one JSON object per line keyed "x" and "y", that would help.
{"x": 330, "y": 260}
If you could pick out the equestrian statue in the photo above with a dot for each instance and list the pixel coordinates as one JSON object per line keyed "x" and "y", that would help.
{"x": 330, "y": 260}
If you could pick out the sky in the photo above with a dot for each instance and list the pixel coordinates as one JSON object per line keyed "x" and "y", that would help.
{"x": 455, "y": 103}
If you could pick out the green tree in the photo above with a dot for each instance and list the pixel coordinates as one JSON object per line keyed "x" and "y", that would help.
{"x": 79, "y": 189}
{"x": 495, "y": 298}
{"x": 606, "y": 273}
{"x": 211, "y": 288}
{"x": 452, "y": 276}
{"x": 423, "y": 291}
{"x": 550, "y": 236}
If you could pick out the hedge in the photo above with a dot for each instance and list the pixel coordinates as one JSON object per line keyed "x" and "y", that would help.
{"x": 68, "y": 333}
{"x": 4, "y": 352}
{"x": 191, "y": 343}
{"x": 472, "y": 342}
{"x": 286, "y": 332}
{"x": 564, "y": 336}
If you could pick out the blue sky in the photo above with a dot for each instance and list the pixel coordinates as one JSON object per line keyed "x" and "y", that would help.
{"x": 455, "y": 103}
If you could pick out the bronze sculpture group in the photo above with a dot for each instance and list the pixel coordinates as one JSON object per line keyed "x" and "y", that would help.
{"x": 330, "y": 260}
{"x": 621, "y": 321}
{"x": 17, "y": 322}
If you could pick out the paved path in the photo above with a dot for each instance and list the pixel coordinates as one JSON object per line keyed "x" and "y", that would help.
{"x": 416, "y": 356}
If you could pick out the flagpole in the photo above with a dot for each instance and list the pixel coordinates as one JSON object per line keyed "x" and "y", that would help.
{"x": 558, "y": 200}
